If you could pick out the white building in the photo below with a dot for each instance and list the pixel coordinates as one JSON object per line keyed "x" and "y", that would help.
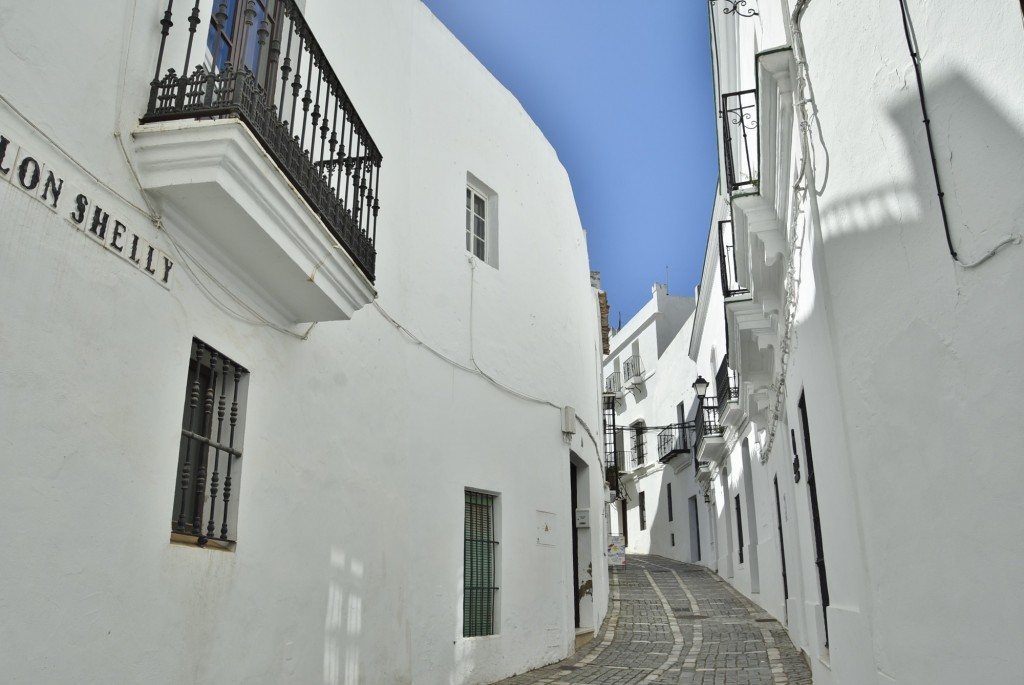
{"x": 644, "y": 416}
{"x": 862, "y": 265}
{"x": 271, "y": 410}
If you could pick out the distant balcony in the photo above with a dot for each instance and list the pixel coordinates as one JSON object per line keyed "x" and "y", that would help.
{"x": 728, "y": 387}
{"x": 633, "y": 370}
{"x": 740, "y": 139}
{"x": 256, "y": 147}
{"x": 613, "y": 383}
{"x": 672, "y": 441}
{"x": 710, "y": 442}
{"x": 731, "y": 286}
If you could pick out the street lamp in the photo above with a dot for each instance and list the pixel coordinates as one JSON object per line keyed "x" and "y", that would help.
{"x": 700, "y": 386}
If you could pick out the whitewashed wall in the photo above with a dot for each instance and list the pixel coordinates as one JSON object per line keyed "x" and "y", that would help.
{"x": 907, "y": 359}
{"x": 358, "y": 441}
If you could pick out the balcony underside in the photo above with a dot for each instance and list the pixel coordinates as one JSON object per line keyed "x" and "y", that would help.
{"x": 711, "y": 449}
{"x": 236, "y": 206}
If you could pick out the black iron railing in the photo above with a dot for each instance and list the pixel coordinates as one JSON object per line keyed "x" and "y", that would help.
{"x": 638, "y": 446}
{"x": 613, "y": 383}
{"x": 632, "y": 367}
{"x": 727, "y": 383}
{"x": 612, "y": 462}
{"x": 727, "y": 260}
{"x": 706, "y": 423}
{"x": 739, "y": 137}
{"x": 672, "y": 440}
{"x": 262, "y": 65}
{"x": 738, "y": 8}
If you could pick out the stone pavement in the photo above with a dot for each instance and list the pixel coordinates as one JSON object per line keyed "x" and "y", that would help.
{"x": 671, "y": 623}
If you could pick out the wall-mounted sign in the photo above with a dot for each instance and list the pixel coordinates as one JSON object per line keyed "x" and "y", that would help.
{"x": 616, "y": 550}
{"x": 30, "y": 174}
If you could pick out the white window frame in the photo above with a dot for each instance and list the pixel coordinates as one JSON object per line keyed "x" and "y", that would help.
{"x": 475, "y": 188}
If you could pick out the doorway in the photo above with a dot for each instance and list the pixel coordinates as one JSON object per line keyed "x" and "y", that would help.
{"x": 694, "y": 530}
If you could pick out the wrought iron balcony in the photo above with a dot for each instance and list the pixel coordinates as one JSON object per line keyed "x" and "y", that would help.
{"x": 638, "y": 448}
{"x": 673, "y": 440}
{"x": 727, "y": 261}
{"x": 707, "y": 425}
{"x": 633, "y": 368}
{"x": 727, "y": 384}
{"x": 740, "y": 139}
{"x": 613, "y": 383}
{"x": 261, "y": 64}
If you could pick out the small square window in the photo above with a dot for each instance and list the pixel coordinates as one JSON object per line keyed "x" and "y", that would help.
{"x": 210, "y": 455}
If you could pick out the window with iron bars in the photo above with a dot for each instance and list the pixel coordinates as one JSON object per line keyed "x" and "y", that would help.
{"x": 480, "y": 588}
{"x": 643, "y": 511}
{"x": 210, "y": 455}
{"x": 638, "y": 449}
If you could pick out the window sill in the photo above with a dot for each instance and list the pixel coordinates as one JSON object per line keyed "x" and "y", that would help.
{"x": 193, "y": 541}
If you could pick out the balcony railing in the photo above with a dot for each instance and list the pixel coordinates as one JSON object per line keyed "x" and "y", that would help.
{"x": 612, "y": 462}
{"x": 672, "y": 440}
{"x": 739, "y": 137}
{"x": 727, "y": 258}
{"x": 632, "y": 367}
{"x": 261, "y": 64}
{"x": 638, "y": 448}
{"x": 707, "y": 424}
{"x": 613, "y": 383}
{"x": 727, "y": 384}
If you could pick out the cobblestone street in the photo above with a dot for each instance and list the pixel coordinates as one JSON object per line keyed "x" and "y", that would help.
{"x": 671, "y": 623}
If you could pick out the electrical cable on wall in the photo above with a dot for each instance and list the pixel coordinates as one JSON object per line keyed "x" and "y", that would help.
{"x": 915, "y": 56}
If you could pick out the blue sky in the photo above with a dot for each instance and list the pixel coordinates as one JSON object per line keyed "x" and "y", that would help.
{"x": 623, "y": 92}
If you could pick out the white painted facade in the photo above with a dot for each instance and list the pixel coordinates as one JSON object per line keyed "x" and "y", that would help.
{"x": 361, "y": 432}
{"x": 859, "y": 341}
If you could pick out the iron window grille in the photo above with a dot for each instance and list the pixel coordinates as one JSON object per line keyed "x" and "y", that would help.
{"x": 479, "y": 566}
{"x": 205, "y": 506}
{"x": 638, "y": 449}
{"x": 643, "y": 511}
{"x": 740, "y": 139}
{"x": 263, "y": 66}
{"x": 727, "y": 260}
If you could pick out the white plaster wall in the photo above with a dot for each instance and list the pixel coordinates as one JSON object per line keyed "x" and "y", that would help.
{"x": 907, "y": 360}
{"x": 358, "y": 442}
{"x": 924, "y": 352}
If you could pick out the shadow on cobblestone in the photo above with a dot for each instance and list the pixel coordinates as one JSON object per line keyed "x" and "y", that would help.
{"x": 671, "y": 623}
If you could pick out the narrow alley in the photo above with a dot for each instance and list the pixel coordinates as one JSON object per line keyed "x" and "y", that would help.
{"x": 671, "y": 623}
